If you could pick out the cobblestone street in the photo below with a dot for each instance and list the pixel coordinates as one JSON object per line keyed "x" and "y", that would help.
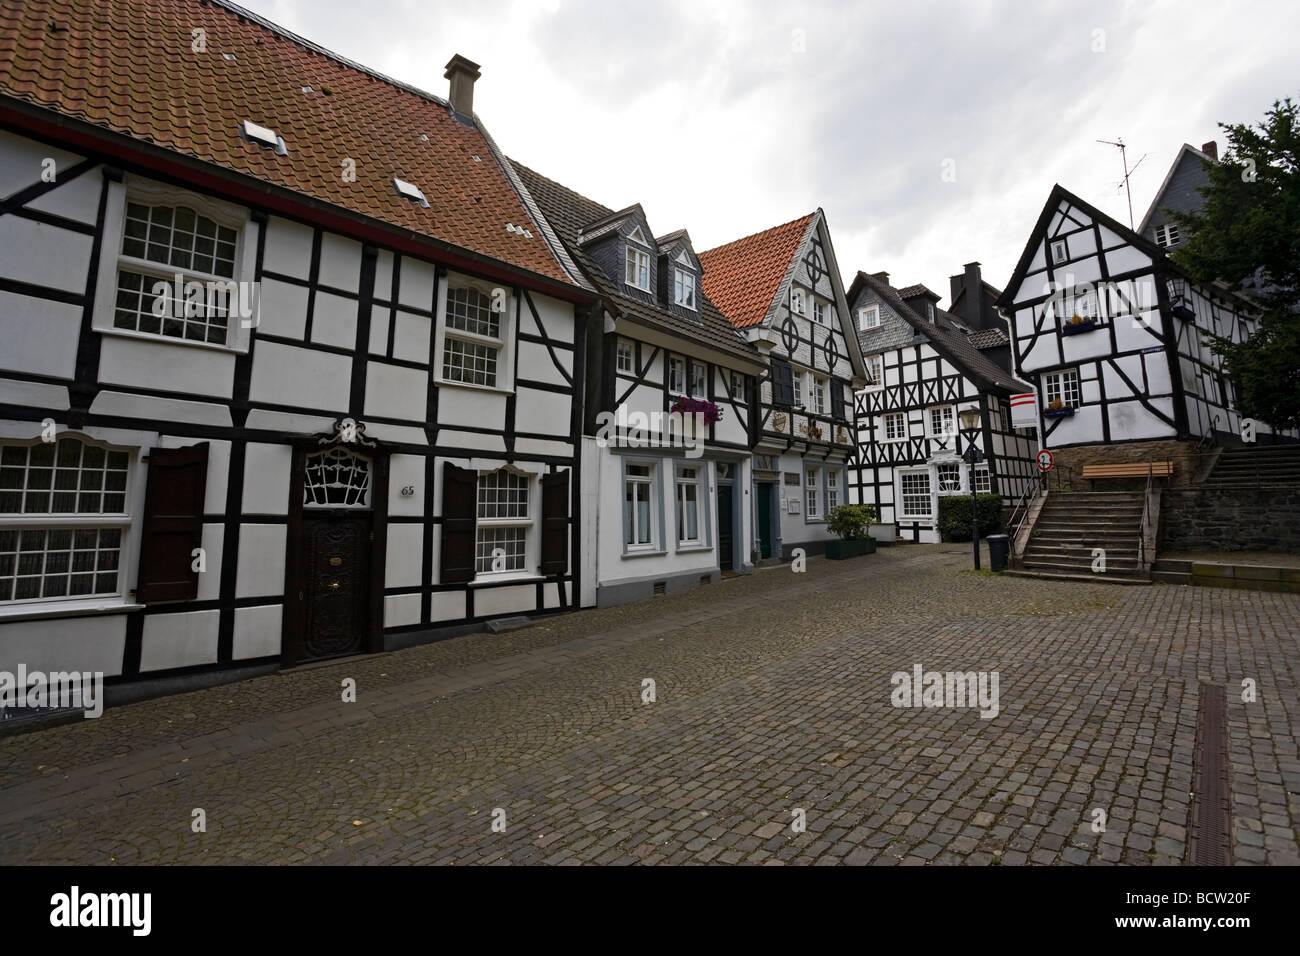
{"x": 773, "y": 694}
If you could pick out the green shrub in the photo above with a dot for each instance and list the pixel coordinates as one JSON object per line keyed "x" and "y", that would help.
{"x": 954, "y": 516}
{"x": 850, "y": 521}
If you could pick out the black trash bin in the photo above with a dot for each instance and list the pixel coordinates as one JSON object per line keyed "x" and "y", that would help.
{"x": 999, "y": 546}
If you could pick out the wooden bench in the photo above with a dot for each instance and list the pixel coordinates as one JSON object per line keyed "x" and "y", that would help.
{"x": 1136, "y": 469}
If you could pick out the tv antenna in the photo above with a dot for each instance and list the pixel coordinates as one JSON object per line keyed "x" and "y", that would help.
{"x": 1123, "y": 158}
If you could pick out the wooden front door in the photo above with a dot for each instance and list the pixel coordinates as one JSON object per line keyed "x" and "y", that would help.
{"x": 335, "y": 584}
{"x": 725, "y": 561}
{"x": 765, "y": 520}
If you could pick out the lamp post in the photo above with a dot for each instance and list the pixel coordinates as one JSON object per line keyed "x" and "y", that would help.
{"x": 970, "y": 428}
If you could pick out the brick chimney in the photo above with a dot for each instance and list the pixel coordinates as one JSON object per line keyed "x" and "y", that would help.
{"x": 462, "y": 73}
{"x": 1211, "y": 149}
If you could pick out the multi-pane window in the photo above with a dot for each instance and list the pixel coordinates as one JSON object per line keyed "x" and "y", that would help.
{"x": 876, "y": 370}
{"x": 501, "y": 533}
{"x": 684, "y": 288}
{"x": 983, "y": 484}
{"x": 895, "y": 426}
{"x": 62, "y": 519}
{"x": 699, "y": 380}
{"x": 473, "y": 341}
{"x": 948, "y": 476}
{"x": 737, "y": 386}
{"x": 812, "y": 491}
{"x": 688, "y": 506}
{"x": 819, "y": 395}
{"x": 1062, "y": 386}
{"x": 638, "y": 498}
{"x": 869, "y": 317}
{"x": 677, "y": 376}
{"x": 798, "y": 387}
{"x": 637, "y": 269}
{"x": 169, "y": 247}
{"x": 1167, "y": 235}
{"x": 625, "y": 356}
{"x": 336, "y": 478}
{"x": 819, "y": 312}
{"x": 915, "y": 487}
{"x": 942, "y": 421}
{"x": 832, "y": 490}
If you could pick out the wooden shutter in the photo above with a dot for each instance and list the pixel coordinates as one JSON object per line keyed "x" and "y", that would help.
{"x": 459, "y": 510}
{"x": 782, "y": 383}
{"x": 173, "y": 524}
{"x": 837, "y": 400}
{"x": 555, "y": 523}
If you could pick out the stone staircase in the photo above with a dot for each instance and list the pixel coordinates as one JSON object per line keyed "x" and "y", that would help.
{"x": 1072, "y": 524}
{"x": 1254, "y": 466}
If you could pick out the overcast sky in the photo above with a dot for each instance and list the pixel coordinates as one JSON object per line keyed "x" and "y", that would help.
{"x": 729, "y": 116}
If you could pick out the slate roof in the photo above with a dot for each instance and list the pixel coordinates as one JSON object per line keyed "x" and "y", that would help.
{"x": 743, "y": 277}
{"x": 912, "y": 291}
{"x": 569, "y": 212}
{"x": 989, "y": 338}
{"x": 128, "y": 66}
{"x": 944, "y": 335}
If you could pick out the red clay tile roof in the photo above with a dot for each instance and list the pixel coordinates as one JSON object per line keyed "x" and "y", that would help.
{"x": 128, "y": 66}
{"x": 742, "y": 277}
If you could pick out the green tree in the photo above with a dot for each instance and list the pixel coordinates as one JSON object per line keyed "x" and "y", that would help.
{"x": 1250, "y": 226}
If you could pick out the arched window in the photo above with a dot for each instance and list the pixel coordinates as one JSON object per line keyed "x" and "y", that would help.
{"x": 336, "y": 478}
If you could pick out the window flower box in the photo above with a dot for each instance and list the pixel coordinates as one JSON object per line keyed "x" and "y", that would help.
{"x": 1078, "y": 325}
{"x": 1058, "y": 412}
{"x": 685, "y": 405}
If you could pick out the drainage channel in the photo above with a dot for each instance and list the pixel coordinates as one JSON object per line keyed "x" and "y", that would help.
{"x": 1209, "y": 840}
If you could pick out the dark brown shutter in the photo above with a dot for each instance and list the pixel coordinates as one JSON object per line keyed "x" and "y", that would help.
{"x": 837, "y": 400}
{"x": 173, "y": 524}
{"x": 555, "y": 523}
{"x": 459, "y": 507}
{"x": 782, "y": 383}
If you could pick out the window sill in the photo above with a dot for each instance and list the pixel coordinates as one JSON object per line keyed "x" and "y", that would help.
{"x": 28, "y": 612}
{"x": 691, "y": 548}
{"x": 169, "y": 340}
{"x": 444, "y": 383}
{"x": 505, "y": 578}
{"x": 647, "y": 553}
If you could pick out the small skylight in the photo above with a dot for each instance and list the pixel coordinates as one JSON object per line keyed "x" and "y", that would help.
{"x": 307, "y": 89}
{"x": 424, "y": 137}
{"x": 519, "y": 230}
{"x": 410, "y": 191}
{"x": 228, "y": 56}
{"x": 264, "y": 137}
{"x": 477, "y": 159}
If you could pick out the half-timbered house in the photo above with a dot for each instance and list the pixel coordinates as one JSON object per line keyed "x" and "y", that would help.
{"x": 665, "y": 495}
{"x": 1116, "y": 339}
{"x": 781, "y": 289}
{"x": 288, "y": 359}
{"x": 923, "y": 368}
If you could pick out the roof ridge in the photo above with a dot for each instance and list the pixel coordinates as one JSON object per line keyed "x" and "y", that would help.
{"x": 754, "y": 235}
{"x": 337, "y": 57}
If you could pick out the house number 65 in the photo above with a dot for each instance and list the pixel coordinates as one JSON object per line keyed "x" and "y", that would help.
{"x": 408, "y": 491}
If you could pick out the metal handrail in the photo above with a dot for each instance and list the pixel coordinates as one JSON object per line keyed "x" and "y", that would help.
{"x": 1146, "y": 510}
{"x": 1021, "y": 511}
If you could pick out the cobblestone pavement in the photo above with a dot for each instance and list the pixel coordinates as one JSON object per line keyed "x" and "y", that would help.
{"x": 772, "y": 695}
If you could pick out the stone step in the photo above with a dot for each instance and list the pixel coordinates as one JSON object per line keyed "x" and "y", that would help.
{"x": 1077, "y": 566}
{"x": 1067, "y": 576}
{"x": 1126, "y": 529}
{"x": 1053, "y": 549}
{"x": 1172, "y": 565}
{"x": 1172, "y": 577}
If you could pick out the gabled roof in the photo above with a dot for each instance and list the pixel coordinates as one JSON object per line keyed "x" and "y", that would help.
{"x": 1185, "y": 151}
{"x": 743, "y": 277}
{"x": 944, "y": 336}
{"x": 127, "y": 67}
{"x": 913, "y": 291}
{"x": 670, "y": 239}
{"x": 568, "y": 212}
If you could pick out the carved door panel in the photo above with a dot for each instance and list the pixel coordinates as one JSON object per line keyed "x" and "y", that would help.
{"x": 335, "y": 584}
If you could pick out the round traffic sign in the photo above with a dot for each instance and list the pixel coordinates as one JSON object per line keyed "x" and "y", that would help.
{"x": 1044, "y": 460}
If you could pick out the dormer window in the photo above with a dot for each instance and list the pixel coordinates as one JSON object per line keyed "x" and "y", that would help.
{"x": 869, "y": 318}
{"x": 683, "y": 288}
{"x": 929, "y": 311}
{"x": 797, "y": 305}
{"x": 1167, "y": 235}
{"x": 637, "y": 269}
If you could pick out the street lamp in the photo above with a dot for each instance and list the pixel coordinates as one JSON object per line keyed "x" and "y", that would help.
{"x": 970, "y": 428}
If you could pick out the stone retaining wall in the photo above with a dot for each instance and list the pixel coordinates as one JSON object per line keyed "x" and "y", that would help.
{"x": 1239, "y": 519}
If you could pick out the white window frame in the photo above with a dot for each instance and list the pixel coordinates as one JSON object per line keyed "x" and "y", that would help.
{"x": 983, "y": 480}
{"x": 127, "y": 521}
{"x": 812, "y": 491}
{"x": 818, "y": 394}
{"x": 698, "y": 380}
{"x": 796, "y": 377}
{"x": 527, "y": 522}
{"x": 868, "y": 318}
{"x": 676, "y": 375}
{"x": 626, "y": 350}
{"x": 1059, "y": 251}
{"x": 949, "y": 429}
{"x": 832, "y": 491}
{"x": 876, "y": 372}
{"x": 929, "y": 311}
{"x": 680, "y": 277}
{"x": 819, "y": 311}
{"x": 1168, "y": 235}
{"x": 901, "y": 417}
{"x": 798, "y": 301}
{"x": 680, "y": 486}
{"x": 938, "y": 483}
{"x": 637, "y": 262}
{"x": 901, "y": 495}
{"x": 1060, "y": 384}
{"x": 504, "y": 344}
{"x": 737, "y": 387}
{"x": 147, "y": 192}
{"x": 650, "y": 481}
